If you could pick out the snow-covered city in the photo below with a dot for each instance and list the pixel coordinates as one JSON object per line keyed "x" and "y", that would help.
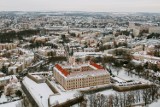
{"x": 79, "y": 58}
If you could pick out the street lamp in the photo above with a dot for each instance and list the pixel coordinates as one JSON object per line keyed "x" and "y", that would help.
{"x": 41, "y": 100}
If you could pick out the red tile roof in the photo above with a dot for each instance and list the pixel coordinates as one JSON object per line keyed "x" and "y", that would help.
{"x": 63, "y": 71}
{"x": 96, "y": 65}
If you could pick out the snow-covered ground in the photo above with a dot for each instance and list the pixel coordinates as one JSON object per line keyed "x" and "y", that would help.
{"x": 122, "y": 73}
{"x": 7, "y": 99}
{"x": 3, "y": 98}
{"x": 40, "y": 92}
{"x": 155, "y": 104}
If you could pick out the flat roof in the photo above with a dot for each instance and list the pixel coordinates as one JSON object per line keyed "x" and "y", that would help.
{"x": 40, "y": 92}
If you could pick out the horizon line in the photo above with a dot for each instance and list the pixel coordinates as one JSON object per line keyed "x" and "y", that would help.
{"x": 77, "y": 11}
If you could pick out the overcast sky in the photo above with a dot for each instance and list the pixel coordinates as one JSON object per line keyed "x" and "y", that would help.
{"x": 81, "y": 5}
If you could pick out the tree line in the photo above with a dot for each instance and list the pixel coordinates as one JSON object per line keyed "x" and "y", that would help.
{"x": 8, "y": 37}
{"x": 124, "y": 99}
{"x": 153, "y": 35}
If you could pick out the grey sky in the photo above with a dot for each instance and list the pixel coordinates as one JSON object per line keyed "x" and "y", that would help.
{"x": 81, "y": 5}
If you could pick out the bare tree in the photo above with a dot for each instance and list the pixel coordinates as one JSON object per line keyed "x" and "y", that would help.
{"x": 116, "y": 100}
{"x": 110, "y": 100}
{"x": 92, "y": 100}
{"x": 145, "y": 96}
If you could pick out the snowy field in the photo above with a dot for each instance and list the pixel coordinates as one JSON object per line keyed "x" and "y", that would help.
{"x": 122, "y": 73}
{"x": 155, "y": 104}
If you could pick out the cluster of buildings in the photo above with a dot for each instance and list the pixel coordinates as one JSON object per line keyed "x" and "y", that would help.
{"x": 10, "y": 84}
{"x": 7, "y": 46}
{"x": 139, "y": 27}
{"x": 75, "y": 41}
{"x": 17, "y": 60}
{"x": 47, "y": 51}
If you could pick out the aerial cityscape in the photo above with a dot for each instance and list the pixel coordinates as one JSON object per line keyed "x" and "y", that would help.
{"x": 94, "y": 53}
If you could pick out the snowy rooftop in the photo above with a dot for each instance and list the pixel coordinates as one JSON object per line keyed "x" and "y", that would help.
{"x": 118, "y": 79}
{"x": 87, "y": 73}
{"x": 97, "y": 70}
{"x": 3, "y": 58}
{"x": 147, "y": 42}
{"x": 37, "y": 91}
{"x": 76, "y": 66}
{"x": 12, "y": 104}
{"x": 8, "y": 77}
{"x": 37, "y": 76}
{"x": 63, "y": 97}
{"x": 108, "y": 92}
{"x": 86, "y": 53}
{"x": 147, "y": 57}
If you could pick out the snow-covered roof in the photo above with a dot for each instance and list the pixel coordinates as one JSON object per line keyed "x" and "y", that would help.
{"x": 87, "y": 73}
{"x": 40, "y": 92}
{"x": 118, "y": 79}
{"x": 97, "y": 70}
{"x": 12, "y": 104}
{"x": 147, "y": 42}
{"x": 86, "y": 53}
{"x": 8, "y": 77}
{"x": 108, "y": 92}
{"x": 63, "y": 97}
{"x": 147, "y": 57}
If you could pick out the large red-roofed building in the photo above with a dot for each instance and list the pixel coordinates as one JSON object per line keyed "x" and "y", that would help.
{"x": 81, "y": 75}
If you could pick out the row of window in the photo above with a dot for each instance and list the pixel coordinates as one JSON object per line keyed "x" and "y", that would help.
{"x": 84, "y": 85}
